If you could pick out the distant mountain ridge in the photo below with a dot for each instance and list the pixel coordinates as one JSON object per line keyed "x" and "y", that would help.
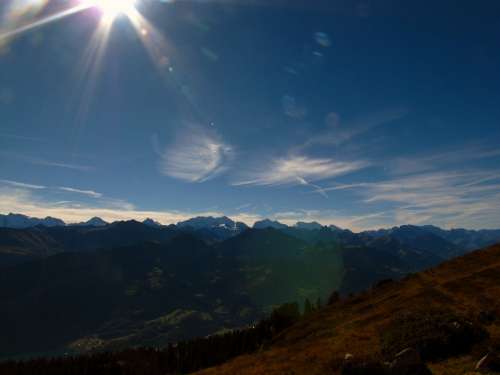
{"x": 22, "y": 245}
{"x": 202, "y": 222}
{"x": 22, "y": 221}
{"x": 213, "y": 228}
{"x": 266, "y": 223}
{"x": 466, "y": 238}
{"x": 416, "y": 242}
{"x": 93, "y": 222}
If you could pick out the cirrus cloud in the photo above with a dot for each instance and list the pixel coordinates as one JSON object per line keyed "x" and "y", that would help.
{"x": 89, "y": 193}
{"x": 300, "y": 169}
{"x": 22, "y": 184}
{"x": 197, "y": 156}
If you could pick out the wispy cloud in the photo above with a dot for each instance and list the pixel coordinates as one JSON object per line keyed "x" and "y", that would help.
{"x": 298, "y": 168}
{"x": 47, "y": 163}
{"x": 197, "y": 155}
{"x": 301, "y": 170}
{"x": 23, "y": 185}
{"x": 89, "y": 193}
{"x": 450, "y": 199}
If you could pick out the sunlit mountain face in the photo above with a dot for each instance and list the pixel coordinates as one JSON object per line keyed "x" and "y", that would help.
{"x": 359, "y": 114}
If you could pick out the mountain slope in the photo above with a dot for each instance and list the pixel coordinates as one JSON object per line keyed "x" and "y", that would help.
{"x": 39, "y": 238}
{"x": 120, "y": 233}
{"x": 468, "y": 286}
{"x": 150, "y": 294}
{"x": 22, "y": 245}
{"x": 277, "y": 268}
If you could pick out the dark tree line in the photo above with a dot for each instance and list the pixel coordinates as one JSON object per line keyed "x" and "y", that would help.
{"x": 180, "y": 358}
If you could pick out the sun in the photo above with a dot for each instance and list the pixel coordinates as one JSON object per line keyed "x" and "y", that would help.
{"x": 113, "y": 8}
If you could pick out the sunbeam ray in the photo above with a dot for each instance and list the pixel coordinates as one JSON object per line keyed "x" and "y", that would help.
{"x": 44, "y": 21}
{"x": 88, "y": 74}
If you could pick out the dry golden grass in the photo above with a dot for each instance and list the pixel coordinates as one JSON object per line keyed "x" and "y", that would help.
{"x": 318, "y": 343}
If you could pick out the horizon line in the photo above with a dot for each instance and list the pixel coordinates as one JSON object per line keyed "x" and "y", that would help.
{"x": 288, "y": 223}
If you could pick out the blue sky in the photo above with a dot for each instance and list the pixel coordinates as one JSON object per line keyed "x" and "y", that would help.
{"x": 362, "y": 114}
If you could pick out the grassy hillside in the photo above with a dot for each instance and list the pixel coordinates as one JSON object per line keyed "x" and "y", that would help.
{"x": 466, "y": 288}
{"x": 22, "y": 245}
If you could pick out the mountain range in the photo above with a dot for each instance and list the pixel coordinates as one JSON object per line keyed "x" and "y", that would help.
{"x": 221, "y": 228}
{"x": 79, "y": 288}
{"x": 22, "y": 221}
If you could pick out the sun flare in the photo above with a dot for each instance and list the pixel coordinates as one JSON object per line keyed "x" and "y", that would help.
{"x": 113, "y": 8}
